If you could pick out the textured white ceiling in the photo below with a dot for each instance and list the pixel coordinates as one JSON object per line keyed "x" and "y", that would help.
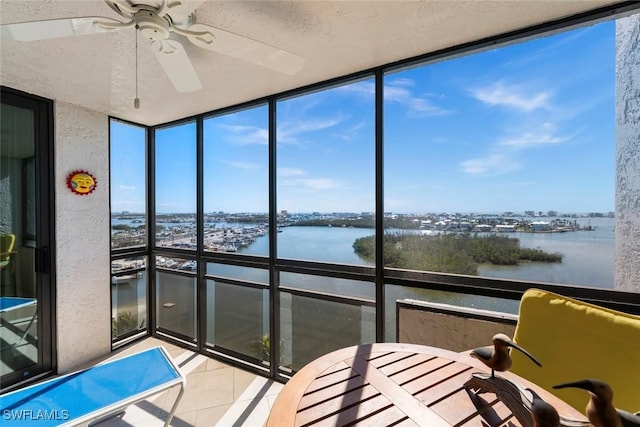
{"x": 335, "y": 38}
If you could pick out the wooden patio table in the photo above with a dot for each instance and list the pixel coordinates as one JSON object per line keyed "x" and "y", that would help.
{"x": 397, "y": 384}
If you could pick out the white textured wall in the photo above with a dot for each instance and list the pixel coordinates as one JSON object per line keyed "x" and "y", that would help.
{"x": 627, "y": 274}
{"x": 82, "y": 237}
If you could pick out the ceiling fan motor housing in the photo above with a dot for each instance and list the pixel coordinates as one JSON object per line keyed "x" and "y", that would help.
{"x": 152, "y": 26}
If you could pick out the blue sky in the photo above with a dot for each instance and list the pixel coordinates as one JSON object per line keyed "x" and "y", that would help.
{"x": 528, "y": 126}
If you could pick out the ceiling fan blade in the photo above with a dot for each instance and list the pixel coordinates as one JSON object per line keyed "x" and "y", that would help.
{"x": 55, "y": 28}
{"x": 247, "y": 49}
{"x": 179, "y": 10}
{"x": 176, "y": 65}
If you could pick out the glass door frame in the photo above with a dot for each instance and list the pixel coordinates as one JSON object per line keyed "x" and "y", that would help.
{"x": 42, "y": 109}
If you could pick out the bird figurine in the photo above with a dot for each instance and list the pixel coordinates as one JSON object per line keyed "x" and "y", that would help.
{"x": 600, "y": 410}
{"x": 498, "y": 358}
{"x": 542, "y": 413}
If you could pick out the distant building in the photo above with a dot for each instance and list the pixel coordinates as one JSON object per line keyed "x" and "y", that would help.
{"x": 482, "y": 228}
{"x": 540, "y": 226}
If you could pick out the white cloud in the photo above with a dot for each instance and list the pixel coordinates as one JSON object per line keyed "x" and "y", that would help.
{"x": 531, "y": 140}
{"x": 503, "y": 158}
{"x": 493, "y": 164}
{"x": 289, "y": 131}
{"x": 501, "y": 94}
{"x": 352, "y": 132}
{"x": 244, "y": 165}
{"x": 358, "y": 126}
{"x": 423, "y": 107}
{"x": 247, "y": 135}
{"x": 398, "y": 91}
{"x": 545, "y": 53}
{"x": 290, "y": 172}
{"x": 534, "y": 136}
{"x": 127, "y": 187}
{"x": 402, "y": 81}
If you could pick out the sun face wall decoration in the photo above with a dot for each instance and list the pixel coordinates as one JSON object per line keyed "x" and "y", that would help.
{"x": 81, "y": 182}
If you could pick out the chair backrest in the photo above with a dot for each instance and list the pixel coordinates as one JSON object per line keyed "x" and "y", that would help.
{"x": 7, "y": 242}
{"x": 575, "y": 340}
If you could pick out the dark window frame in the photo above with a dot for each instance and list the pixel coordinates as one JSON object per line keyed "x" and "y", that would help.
{"x": 381, "y": 276}
{"x": 45, "y": 238}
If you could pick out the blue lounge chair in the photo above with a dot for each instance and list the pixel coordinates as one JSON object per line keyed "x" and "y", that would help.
{"x": 94, "y": 393}
{"x": 8, "y": 304}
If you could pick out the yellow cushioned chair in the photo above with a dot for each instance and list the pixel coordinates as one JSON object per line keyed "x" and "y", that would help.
{"x": 7, "y": 242}
{"x": 575, "y": 340}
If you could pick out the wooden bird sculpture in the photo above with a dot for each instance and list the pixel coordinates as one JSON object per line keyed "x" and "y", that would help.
{"x": 542, "y": 413}
{"x": 600, "y": 410}
{"x": 498, "y": 358}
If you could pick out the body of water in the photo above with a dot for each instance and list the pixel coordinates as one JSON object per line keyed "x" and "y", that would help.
{"x": 323, "y": 244}
{"x": 588, "y": 256}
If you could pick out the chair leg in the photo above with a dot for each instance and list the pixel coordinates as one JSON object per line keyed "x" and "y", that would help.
{"x": 26, "y": 331}
{"x": 175, "y": 406}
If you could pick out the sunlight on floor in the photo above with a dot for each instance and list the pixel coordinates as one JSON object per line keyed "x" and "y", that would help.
{"x": 216, "y": 394}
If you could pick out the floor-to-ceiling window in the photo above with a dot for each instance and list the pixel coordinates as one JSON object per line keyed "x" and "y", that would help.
{"x": 26, "y": 237}
{"x": 129, "y": 265}
{"x": 501, "y": 164}
{"x": 175, "y": 230}
{"x": 236, "y": 227}
{"x": 326, "y": 200}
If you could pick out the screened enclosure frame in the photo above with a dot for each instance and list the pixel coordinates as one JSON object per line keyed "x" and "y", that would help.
{"x": 379, "y": 276}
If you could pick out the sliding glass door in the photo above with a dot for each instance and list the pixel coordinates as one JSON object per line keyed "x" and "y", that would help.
{"x": 26, "y": 277}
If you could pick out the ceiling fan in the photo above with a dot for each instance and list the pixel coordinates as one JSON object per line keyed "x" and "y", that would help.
{"x": 156, "y": 21}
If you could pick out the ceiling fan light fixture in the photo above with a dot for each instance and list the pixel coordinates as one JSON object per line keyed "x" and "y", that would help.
{"x": 152, "y": 26}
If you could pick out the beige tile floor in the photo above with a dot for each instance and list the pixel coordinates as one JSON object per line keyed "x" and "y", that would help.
{"x": 216, "y": 394}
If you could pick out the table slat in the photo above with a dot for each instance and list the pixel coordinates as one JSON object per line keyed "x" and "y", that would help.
{"x": 438, "y": 384}
{"x": 332, "y": 378}
{"x": 351, "y": 414}
{"x": 389, "y": 417}
{"x": 400, "y": 397}
{"x": 412, "y": 373}
{"x": 386, "y": 360}
{"x": 328, "y": 402}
